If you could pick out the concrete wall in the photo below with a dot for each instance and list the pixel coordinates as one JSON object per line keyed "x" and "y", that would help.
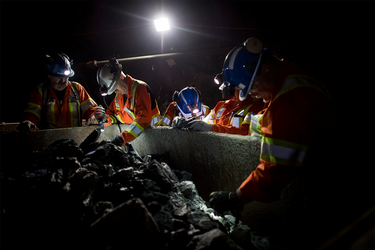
{"x": 216, "y": 161}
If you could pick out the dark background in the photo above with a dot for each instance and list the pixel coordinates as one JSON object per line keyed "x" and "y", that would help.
{"x": 332, "y": 40}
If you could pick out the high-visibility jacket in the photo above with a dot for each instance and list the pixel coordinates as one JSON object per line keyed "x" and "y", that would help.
{"x": 76, "y": 105}
{"x": 172, "y": 111}
{"x": 138, "y": 108}
{"x": 233, "y": 120}
{"x": 297, "y": 114}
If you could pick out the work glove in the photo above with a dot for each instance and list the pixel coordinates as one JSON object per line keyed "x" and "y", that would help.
{"x": 198, "y": 125}
{"x": 100, "y": 114}
{"x": 27, "y": 126}
{"x": 224, "y": 201}
{"x": 181, "y": 122}
{"x": 118, "y": 141}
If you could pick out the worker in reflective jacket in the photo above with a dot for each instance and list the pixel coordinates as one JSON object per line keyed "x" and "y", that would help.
{"x": 289, "y": 126}
{"x": 233, "y": 115}
{"x": 133, "y": 104}
{"x": 186, "y": 103}
{"x": 58, "y": 103}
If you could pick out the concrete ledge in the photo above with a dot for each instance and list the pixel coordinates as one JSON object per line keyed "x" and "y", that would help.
{"x": 216, "y": 161}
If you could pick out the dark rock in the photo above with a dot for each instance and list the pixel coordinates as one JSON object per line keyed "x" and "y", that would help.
{"x": 129, "y": 224}
{"x": 108, "y": 153}
{"x": 101, "y": 208}
{"x": 201, "y": 221}
{"x": 161, "y": 174}
{"x": 214, "y": 239}
{"x": 81, "y": 185}
{"x": 104, "y": 171}
{"x": 154, "y": 207}
{"x": 164, "y": 221}
{"x": 182, "y": 175}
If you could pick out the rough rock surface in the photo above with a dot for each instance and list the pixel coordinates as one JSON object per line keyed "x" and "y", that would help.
{"x": 62, "y": 197}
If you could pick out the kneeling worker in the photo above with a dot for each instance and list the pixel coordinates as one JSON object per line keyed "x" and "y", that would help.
{"x": 133, "y": 104}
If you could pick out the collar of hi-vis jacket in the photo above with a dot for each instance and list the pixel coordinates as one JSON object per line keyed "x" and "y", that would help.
{"x": 287, "y": 68}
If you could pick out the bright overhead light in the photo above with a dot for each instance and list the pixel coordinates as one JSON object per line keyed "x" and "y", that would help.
{"x": 161, "y": 24}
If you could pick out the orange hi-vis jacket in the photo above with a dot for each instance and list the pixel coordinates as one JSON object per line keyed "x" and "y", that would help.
{"x": 77, "y": 105}
{"x": 225, "y": 119}
{"x": 172, "y": 110}
{"x": 296, "y": 115}
{"x": 138, "y": 108}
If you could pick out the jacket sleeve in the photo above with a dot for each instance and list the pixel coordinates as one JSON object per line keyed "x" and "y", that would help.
{"x": 168, "y": 116}
{"x": 88, "y": 105}
{"x": 288, "y": 126}
{"x": 142, "y": 112}
{"x": 244, "y": 128}
{"x": 33, "y": 110}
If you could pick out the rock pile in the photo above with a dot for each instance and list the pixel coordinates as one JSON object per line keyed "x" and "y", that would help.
{"x": 102, "y": 197}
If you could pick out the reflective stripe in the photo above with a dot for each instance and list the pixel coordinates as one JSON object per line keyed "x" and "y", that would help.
{"x": 282, "y": 152}
{"x": 295, "y": 81}
{"x": 135, "y": 85}
{"x": 166, "y": 121}
{"x": 135, "y": 129}
{"x": 247, "y": 119}
{"x": 33, "y": 108}
{"x": 255, "y": 129}
{"x": 235, "y": 121}
{"x": 117, "y": 101}
{"x": 155, "y": 120}
{"x": 119, "y": 118}
{"x": 130, "y": 113}
{"x": 71, "y": 113}
{"x": 87, "y": 104}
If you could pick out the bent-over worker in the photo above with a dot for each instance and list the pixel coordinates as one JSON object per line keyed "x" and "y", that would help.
{"x": 133, "y": 104}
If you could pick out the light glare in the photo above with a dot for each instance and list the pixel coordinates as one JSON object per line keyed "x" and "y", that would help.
{"x": 161, "y": 24}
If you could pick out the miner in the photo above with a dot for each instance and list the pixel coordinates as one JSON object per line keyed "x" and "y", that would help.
{"x": 298, "y": 114}
{"x": 58, "y": 103}
{"x": 185, "y": 103}
{"x": 134, "y": 102}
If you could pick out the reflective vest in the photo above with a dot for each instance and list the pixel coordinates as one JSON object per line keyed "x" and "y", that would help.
{"x": 293, "y": 120}
{"x": 171, "y": 112}
{"x": 138, "y": 108}
{"x": 155, "y": 112}
{"x": 45, "y": 110}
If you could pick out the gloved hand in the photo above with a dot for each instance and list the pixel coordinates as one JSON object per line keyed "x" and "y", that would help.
{"x": 27, "y": 126}
{"x": 181, "y": 122}
{"x": 198, "y": 125}
{"x": 100, "y": 114}
{"x": 224, "y": 201}
{"x": 118, "y": 141}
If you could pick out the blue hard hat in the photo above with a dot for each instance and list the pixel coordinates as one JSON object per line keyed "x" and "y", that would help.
{"x": 59, "y": 65}
{"x": 189, "y": 102}
{"x": 241, "y": 65}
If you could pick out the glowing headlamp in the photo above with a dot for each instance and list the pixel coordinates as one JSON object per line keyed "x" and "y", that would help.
{"x": 219, "y": 79}
{"x": 103, "y": 90}
{"x": 67, "y": 72}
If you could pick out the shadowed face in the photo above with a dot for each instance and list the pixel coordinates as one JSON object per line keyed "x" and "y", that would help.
{"x": 58, "y": 83}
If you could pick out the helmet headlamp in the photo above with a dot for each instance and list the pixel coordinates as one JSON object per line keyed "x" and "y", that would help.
{"x": 103, "y": 90}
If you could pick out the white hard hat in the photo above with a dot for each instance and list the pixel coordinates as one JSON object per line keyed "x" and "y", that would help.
{"x": 108, "y": 77}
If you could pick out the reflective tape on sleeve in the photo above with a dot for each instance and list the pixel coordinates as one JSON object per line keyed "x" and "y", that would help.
{"x": 135, "y": 129}
{"x": 87, "y": 104}
{"x": 166, "y": 121}
{"x": 282, "y": 152}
